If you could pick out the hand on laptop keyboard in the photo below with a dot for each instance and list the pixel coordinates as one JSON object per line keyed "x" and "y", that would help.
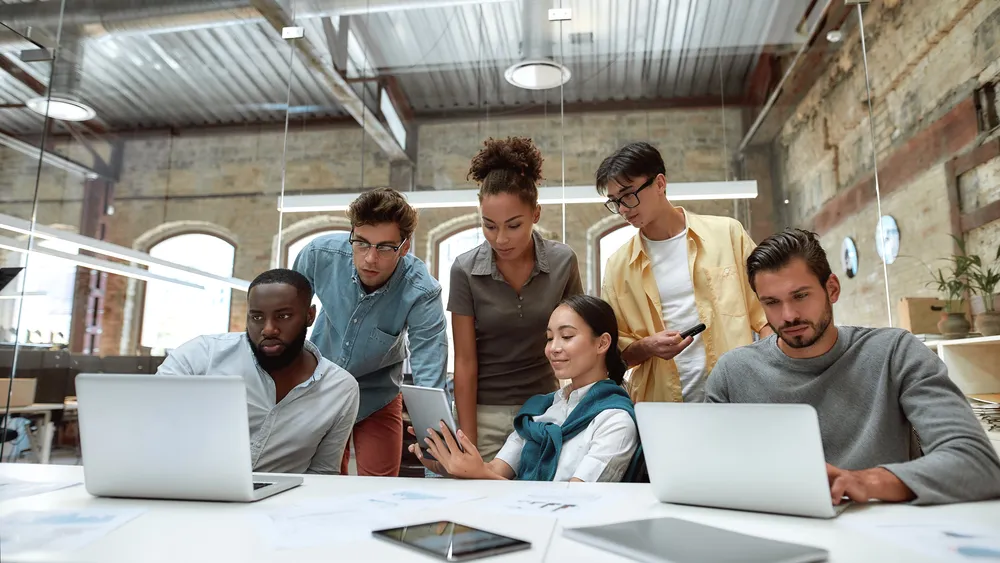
{"x": 869, "y": 484}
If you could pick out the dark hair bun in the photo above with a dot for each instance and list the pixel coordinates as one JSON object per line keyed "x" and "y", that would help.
{"x": 513, "y": 154}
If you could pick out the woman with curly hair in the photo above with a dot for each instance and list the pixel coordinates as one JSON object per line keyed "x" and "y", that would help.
{"x": 502, "y": 294}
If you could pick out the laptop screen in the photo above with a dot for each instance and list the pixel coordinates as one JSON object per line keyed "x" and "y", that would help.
{"x": 7, "y": 275}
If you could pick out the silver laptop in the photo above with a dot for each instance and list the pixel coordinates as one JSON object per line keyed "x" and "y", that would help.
{"x": 169, "y": 437}
{"x": 671, "y": 540}
{"x": 764, "y": 458}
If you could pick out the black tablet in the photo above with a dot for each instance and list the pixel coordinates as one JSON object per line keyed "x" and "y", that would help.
{"x": 450, "y": 541}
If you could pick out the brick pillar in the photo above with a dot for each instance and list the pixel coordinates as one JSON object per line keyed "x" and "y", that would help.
{"x": 765, "y": 213}
{"x": 401, "y": 176}
{"x": 86, "y": 327}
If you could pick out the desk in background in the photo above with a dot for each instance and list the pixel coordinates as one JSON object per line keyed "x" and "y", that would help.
{"x": 41, "y": 439}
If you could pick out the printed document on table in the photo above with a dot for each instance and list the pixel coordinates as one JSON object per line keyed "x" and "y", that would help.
{"x": 559, "y": 504}
{"x": 11, "y": 489}
{"x": 337, "y": 519}
{"x": 58, "y": 530}
{"x": 949, "y": 541}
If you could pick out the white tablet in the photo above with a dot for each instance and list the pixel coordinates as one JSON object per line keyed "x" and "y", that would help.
{"x": 427, "y": 407}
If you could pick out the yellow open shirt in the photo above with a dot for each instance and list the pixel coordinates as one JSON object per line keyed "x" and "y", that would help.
{"x": 717, "y": 251}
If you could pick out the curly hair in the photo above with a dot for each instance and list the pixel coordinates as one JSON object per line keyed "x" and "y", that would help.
{"x": 512, "y": 166}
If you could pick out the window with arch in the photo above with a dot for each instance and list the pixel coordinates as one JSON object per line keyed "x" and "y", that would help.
{"x": 292, "y": 252}
{"x": 447, "y": 250}
{"x": 609, "y": 243}
{"x": 173, "y": 314}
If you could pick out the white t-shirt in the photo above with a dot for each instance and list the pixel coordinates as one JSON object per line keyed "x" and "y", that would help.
{"x": 601, "y": 452}
{"x": 670, "y": 268}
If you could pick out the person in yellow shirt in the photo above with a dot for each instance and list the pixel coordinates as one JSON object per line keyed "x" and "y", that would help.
{"x": 679, "y": 270}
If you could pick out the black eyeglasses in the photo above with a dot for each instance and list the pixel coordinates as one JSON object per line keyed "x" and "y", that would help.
{"x": 384, "y": 250}
{"x": 628, "y": 200}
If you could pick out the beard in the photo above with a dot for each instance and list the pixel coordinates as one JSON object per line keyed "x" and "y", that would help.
{"x": 285, "y": 358}
{"x": 819, "y": 328}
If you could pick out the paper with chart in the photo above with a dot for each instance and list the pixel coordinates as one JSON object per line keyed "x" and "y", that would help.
{"x": 950, "y": 542}
{"x": 58, "y": 530}
{"x": 11, "y": 489}
{"x": 559, "y": 504}
{"x": 337, "y": 519}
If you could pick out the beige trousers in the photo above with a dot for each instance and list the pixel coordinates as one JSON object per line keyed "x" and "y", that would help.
{"x": 494, "y": 424}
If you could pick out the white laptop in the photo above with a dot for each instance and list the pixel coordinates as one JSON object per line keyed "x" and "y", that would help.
{"x": 763, "y": 458}
{"x": 169, "y": 437}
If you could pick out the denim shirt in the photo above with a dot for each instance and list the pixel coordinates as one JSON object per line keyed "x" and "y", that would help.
{"x": 365, "y": 333}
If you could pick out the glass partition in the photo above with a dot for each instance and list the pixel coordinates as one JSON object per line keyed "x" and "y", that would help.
{"x": 32, "y": 301}
{"x": 808, "y": 141}
{"x": 205, "y": 142}
{"x": 154, "y": 201}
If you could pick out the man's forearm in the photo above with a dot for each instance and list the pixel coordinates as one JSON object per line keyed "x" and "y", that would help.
{"x": 429, "y": 361}
{"x": 636, "y": 353}
{"x": 883, "y": 485}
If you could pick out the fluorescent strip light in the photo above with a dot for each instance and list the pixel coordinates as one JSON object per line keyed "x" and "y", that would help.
{"x": 25, "y": 294}
{"x": 429, "y": 199}
{"x": 120, "y": 252}
{"x": 48, "y": 157}
{"x": 91, "y": 262}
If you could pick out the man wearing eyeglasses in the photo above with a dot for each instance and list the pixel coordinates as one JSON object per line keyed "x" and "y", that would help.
{"x": 374, "y": 295}
{"x": 680, "y": 270}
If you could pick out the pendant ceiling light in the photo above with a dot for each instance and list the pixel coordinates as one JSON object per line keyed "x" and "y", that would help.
{"x": 63, "y": 101}
{"x": 536, "y": 70}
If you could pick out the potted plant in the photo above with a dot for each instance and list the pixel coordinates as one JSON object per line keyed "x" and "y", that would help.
{"x": 952, "y": 282}
{"x": 983, "y": 280}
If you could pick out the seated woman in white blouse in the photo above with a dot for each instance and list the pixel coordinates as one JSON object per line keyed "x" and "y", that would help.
{"x": 583, "y": 432}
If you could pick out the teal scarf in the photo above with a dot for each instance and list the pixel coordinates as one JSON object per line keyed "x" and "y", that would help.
{"x": 544, "y": 440}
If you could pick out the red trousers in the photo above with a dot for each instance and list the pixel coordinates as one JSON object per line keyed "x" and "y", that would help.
{"x": 378, "y": 442}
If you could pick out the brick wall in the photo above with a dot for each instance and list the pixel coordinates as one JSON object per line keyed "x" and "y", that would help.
{"x": 925, "y": 58}
{"x": 233, "y": 180}
{"x": 978, "y": 188}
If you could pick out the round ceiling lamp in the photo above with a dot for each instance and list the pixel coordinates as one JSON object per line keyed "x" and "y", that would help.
{"x": 63, "y": 109}
{"x": 537, "y": 74}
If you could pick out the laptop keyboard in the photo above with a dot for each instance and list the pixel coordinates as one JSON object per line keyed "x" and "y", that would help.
{"x": 260, "y": 485}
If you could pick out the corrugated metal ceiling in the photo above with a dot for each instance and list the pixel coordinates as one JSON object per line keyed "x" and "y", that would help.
{"x": 444, "y": 59}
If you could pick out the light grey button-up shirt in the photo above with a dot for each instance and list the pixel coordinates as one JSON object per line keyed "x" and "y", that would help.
{"x": 307, "y": 431}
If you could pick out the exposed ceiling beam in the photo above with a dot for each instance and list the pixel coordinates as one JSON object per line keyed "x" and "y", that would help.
{"x": 477, "y": 113}
{"x": 803, "y": 71}
{"x": 78, "y": 135}
{"x": 398, "y": 98}
{"x": 279, "y": 19}
{"x": 336, "y": 42}
{"x": 51, "y": 158}
{"x": 376, "y": 57}
{"x": 21, "y": 76}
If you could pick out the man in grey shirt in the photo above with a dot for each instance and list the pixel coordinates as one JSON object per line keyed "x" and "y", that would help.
{"x": 872, "y": 388}
{"x": 301, "y": 406}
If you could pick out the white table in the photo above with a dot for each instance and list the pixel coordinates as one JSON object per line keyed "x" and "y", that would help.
{"x": 41, "y": 440}
{"x": 195, "y": 531}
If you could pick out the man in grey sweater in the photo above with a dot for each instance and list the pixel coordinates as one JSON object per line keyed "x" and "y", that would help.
{"x": 870, "y": 387}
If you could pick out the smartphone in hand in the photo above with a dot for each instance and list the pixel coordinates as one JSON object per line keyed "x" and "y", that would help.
{"x": 693, "y": 331}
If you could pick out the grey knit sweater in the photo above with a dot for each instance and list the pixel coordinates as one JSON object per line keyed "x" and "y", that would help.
{"x": 868, "y": 391}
